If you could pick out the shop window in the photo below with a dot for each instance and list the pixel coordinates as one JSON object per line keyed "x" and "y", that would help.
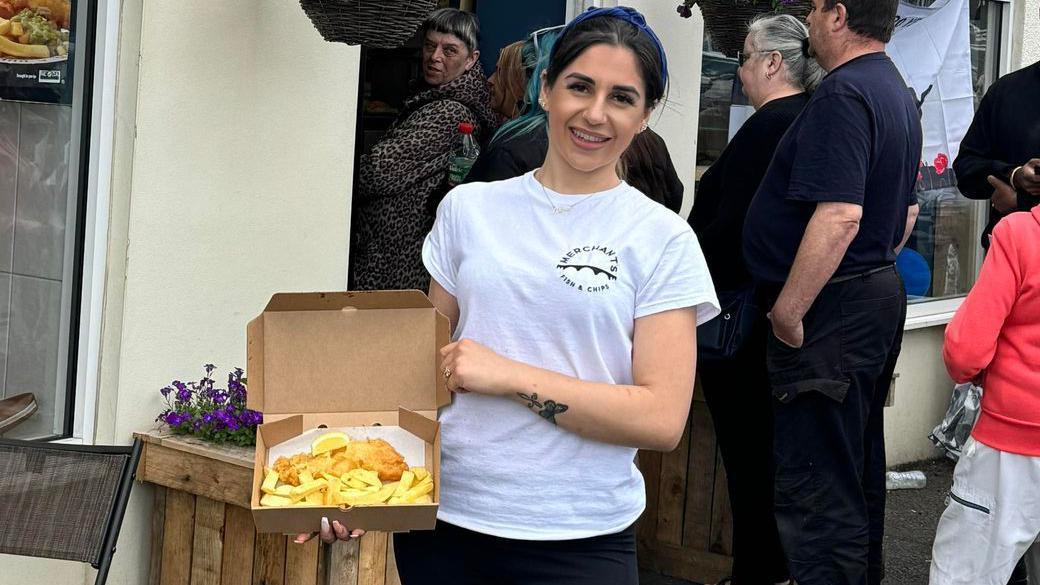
{"x": 44, "y": 113}
{"x": 944, "y": 254}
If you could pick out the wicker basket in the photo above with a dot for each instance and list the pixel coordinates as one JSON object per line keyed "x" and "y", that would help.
{"x": 385, "y": 24}
{"x": 726, "y": 21}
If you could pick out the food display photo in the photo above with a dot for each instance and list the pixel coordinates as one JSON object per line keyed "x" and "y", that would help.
{"x": 35, "y": 49}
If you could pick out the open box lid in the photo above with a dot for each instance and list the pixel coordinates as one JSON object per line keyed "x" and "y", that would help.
{"x": 367, "y": 351}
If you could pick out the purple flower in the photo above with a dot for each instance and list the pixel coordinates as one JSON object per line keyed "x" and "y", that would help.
{"x": 202, "y": 409}
{"x": 176, "y": 419}
{"x": 222, "y": 417}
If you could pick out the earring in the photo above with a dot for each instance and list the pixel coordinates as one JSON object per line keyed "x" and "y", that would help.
{"x": 541, "y": 103}
{"x": 642, "y": 128}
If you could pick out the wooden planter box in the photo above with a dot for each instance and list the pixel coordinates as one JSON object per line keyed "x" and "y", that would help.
{"x": 203, "y": 534}
{"x": 687, "y": 528}
{"x": 202, "y": 529}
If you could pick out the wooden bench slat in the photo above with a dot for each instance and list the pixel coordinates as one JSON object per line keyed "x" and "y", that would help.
{"x": 701, "y": 483}
{"x": 301, "y": 562}
{"x": 269, "y": 560}
{"x": 239, "y": 537}
{"x": 208, "y": 545}
{"x": 158, "y": 522}
{"x": 372, "y": 559}
{"x": 178, "y": 532}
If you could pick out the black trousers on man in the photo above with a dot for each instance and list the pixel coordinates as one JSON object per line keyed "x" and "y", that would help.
{"x": 738, "y": 396}
{"x": 829, "y": 446}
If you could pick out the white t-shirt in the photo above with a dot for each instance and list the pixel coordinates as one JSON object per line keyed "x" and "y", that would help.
{"x": 560, "y": 292}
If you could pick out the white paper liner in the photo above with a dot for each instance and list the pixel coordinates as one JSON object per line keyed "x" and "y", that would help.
{"x": 412, "y": 448}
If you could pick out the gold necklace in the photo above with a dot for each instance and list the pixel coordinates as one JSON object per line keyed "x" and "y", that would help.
{"x": 556, "y": 209}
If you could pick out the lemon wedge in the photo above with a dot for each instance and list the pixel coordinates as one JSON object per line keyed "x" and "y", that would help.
{"x": 329, "y": 442}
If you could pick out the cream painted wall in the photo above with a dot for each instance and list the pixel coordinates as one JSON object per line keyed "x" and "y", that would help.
{"x": 1030, "y": 31}
{"x": 921, "y": 395}
{"x": 231, "y": 181}
{"x": 240, "y": 186}
{"x": 676, "y": 121}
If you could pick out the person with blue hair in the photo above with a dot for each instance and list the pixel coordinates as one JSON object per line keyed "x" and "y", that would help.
{"x": 574, "y": 302}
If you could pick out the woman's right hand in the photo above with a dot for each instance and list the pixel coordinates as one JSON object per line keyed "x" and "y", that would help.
{"x": 330, "y": 533}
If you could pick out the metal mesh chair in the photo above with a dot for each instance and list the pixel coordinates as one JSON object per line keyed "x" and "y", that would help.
{"x": 64, "y": 501}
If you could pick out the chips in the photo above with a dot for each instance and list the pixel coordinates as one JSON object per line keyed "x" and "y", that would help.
{"x": 348, "y": 489}
{"x": 325, "y": 477}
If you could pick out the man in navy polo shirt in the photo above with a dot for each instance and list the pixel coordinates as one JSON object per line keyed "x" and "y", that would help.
{"x": 821, "y": 238}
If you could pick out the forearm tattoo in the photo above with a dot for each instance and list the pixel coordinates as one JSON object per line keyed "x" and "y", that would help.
{"x": 547, "y": 409}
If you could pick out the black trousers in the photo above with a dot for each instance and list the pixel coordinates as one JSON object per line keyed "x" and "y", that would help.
{"x": 738, "y": 396}
{"x": 456, "y": 556}
{"x": 829, "y": 445}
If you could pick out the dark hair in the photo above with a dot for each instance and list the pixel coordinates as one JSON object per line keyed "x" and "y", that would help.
{"x": 616, "y": 32}
{"x": 452, "y": 21}
{"x": 874, "y": 19}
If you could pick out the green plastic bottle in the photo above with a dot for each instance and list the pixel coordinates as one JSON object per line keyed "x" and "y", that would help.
{"x": 463, "y": 155}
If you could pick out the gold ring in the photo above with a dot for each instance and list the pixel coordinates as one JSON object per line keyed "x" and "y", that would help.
{"x": 447, "y": 373}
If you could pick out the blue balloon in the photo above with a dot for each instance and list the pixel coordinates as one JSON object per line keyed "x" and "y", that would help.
{"x": 915, "y": 272}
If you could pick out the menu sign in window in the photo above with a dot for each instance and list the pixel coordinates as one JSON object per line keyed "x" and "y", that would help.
{"x": 36, "y": 50}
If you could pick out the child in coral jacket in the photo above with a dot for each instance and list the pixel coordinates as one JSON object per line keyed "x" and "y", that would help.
{"x": 993, "y": 516}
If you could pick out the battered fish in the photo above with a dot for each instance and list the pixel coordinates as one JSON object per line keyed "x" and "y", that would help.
{"x": 376, "y": 455}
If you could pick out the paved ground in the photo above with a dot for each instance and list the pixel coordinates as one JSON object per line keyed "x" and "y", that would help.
{"x": 909, "y": 528}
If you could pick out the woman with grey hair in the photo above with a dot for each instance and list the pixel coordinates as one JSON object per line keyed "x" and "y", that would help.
{"x": 777, "y": 77}
{"x": 405, "y": 173}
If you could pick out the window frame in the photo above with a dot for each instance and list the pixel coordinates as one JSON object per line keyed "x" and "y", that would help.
{"x": 95, "y": 177}
{"x": 77, "y": 404}
{"x": 932, "y": 313}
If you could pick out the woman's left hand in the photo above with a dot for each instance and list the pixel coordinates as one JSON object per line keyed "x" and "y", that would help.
{"x": 472, "y": 367}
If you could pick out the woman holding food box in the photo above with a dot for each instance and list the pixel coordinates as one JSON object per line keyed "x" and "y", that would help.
{"x": 574, "y": 301}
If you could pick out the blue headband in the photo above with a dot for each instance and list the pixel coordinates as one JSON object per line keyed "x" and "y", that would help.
{"x": 629, "y": 15}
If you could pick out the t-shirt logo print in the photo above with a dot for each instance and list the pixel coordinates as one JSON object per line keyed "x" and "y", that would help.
{"x": 589, "y": 269}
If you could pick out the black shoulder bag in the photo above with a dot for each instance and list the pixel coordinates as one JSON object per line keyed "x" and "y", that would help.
{"x": 723, "y": 337}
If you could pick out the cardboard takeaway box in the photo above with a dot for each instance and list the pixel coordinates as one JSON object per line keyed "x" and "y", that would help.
{"x": 347, "y": 359}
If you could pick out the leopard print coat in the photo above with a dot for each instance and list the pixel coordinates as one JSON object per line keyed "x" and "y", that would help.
{"x": 404, "y": 170}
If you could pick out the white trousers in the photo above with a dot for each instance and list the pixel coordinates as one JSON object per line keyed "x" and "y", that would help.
{"x": 991, "y": 521}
